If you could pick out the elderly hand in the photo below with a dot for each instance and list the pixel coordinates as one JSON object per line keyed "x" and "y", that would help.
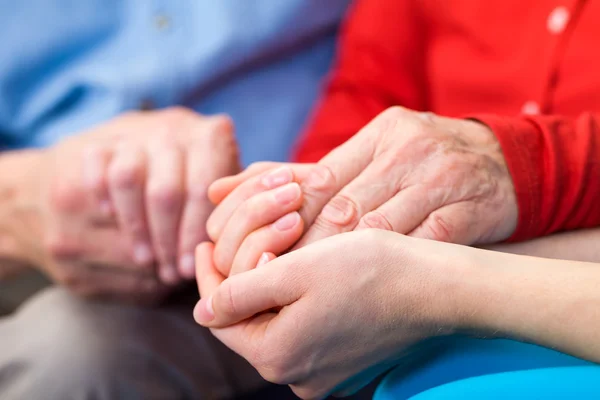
{"x": 154, "y": 172}
{"x": 98, "y": 209}
{"x": 349, "y": 307}
{"x": 412, "y": 173}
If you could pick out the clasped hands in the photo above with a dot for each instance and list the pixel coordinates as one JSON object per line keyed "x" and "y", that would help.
{"x": 300, "y": 284}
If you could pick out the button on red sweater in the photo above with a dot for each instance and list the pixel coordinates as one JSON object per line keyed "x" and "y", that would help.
{"x": 530, "y": 70}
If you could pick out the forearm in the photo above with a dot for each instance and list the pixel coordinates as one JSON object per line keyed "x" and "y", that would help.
{"x": 581, "y": 245}
{"x": 549, "y": 302}
{"x": 18, "y": 220}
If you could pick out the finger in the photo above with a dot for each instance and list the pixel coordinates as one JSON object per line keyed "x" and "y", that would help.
{"x": 245, "y": 295}
{"x": 204, "y": 165}
{"x": 222, "y": 187}
{"x": 253, "y": 186}
{"x": 379, "y": 182}
{"x": 336, "y": 170}
{"x": 164, "y": 196}
{"x": 127, "y": 180}
{"x": 405, "y": 211}
{"x": 265, "y": 258}
{"x": 451, "y": 223}
{"x": 269, "y": 240}
{"x": 99, "y": 282}
{"x": 208, "y": 277}
{"x": 258, "y": 211}
{"x": 96, "y": 159}
{"x": 98, "y": 245}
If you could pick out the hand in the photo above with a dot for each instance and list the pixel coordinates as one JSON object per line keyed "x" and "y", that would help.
{"x": 73, "y": 222}
{"x": 352, "y": 306}
{"x": 412, "y": 173}
{"x": 155, "y": 179}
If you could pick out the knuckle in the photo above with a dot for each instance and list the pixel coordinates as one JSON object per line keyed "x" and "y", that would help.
{"x": 66, "y": 197}
{"x": 377, "y": 220}
{"x": 440, "y": 228}
{"x": 393, "y": 112}
{"x": 223, "y": 124}
{"x": 198, "y": 193}
{"x": 212, "y": 228}
{"x": 273, "y": 374}
{"x": 225, "y": 297}
{"x": 135, "y": 225}
{"x": 278, "y": 361}
{"x": 125, "y": 176}
{"x": 177, "y": 114}
{"x": 171, "y": 123}
{"x": 341, "y": 211}
{"x": 166, "y": 197}
{"x": 320, "y": 179}
{"x": 271, "y": 368}
{"x": 61, "y": 247}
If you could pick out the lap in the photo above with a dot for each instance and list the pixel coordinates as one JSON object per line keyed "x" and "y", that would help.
{"x": 58, "y": 345}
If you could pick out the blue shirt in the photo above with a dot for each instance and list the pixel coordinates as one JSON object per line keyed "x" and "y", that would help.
{"x": 68, "y": 65}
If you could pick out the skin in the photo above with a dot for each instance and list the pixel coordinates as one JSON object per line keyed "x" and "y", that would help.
{"x": 412, "y": 173}
{"x": 301, "y": 318}
{"x": 116, "y": 213}
{"x": 330, "y": 317}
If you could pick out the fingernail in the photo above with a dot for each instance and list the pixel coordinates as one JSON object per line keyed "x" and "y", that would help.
{"x": 264, "y": 258}
{"x": 142, "y": 253}
{"x": 279, "y": 177}
{"x": 286, "y": 222}
{"x": 203, "y": 312}
{"x": 287, "y": 193}
{"x": 187, "y": 265}
{"x": 168, "y": 274}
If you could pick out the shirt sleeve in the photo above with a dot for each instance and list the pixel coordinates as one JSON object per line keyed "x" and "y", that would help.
{"x": 379, "y": 64}
{"x": 555, "y": 165}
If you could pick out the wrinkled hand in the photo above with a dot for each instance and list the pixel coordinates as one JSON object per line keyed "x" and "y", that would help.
{"x": 154, "y": 176}
{"x": 114, "y": 201}
{"x": 350, "y": 307}
{"x": 412, "y": 173}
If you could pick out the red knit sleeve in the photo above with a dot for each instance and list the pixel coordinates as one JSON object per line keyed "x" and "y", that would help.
{"x": 379, "y": 64}
{"x": 555, "y": 166}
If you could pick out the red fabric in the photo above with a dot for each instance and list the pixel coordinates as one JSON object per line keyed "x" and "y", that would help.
{"x": 493, "y": 60}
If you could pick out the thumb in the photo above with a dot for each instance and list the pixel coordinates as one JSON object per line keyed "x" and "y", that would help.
{"x": 244, "y": 295}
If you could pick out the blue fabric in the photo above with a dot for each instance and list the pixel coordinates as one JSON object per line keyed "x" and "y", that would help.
{"x": 67, "y": 65}
{"x": 582, "y": 383}
{"x": 461, "y": 358}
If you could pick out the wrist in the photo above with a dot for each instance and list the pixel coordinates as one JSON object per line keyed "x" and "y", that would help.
{"x": 19, "y": 213}
{"x": 440, "y": 279}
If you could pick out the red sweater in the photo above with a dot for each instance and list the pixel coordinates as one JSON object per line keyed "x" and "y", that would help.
{"x": 529, "y": 69}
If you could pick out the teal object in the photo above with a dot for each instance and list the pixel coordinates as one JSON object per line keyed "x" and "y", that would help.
{"x": 580, "y": 383}
{"x": 459, "y": 359}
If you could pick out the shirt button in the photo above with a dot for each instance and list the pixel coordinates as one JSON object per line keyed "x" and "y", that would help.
{"x": 162, "y": 22}
{"x": 530, "y": 108}
{"x": 557, "y": 20}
